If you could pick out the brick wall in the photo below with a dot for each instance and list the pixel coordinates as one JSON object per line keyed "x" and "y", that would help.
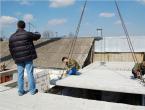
{"x": 5, "y": 78}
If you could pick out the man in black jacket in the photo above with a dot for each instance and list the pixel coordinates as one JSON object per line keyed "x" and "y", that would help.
{"x": 23, "y": 52}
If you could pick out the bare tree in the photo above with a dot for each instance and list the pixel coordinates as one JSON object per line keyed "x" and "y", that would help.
{"x": 48, "y": 34}
{"x": 71, "y": 34}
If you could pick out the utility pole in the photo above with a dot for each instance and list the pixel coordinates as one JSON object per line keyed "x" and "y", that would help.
{"x": 29, "y": 26}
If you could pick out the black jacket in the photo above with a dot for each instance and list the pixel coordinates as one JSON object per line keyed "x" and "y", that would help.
{"x": 21, "y": 45}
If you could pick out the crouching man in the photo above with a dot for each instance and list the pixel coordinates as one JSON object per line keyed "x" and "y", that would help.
{"x": 23, "y": 52}
{"x": 72, "y": 66}
{"x": 138, "y": 70}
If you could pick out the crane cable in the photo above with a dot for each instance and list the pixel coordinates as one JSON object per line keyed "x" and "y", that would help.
{"x": 126, "y": 33}
{"x": 76, "y": 32}
{"x": 128, "y": 37}
{"x": 75, "y": 36}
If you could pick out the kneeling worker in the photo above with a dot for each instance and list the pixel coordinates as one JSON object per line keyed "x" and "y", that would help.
{"x": 72, "y": 65}
{"x": 138, "y": 70}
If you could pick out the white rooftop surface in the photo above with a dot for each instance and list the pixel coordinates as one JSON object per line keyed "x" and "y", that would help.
{"x": 114, "y": 76}
{"x": 9, "y": 100}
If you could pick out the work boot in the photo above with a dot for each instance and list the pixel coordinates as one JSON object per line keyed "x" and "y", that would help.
{"x": 22, "y": 93}
{"x": 36, "y": 91}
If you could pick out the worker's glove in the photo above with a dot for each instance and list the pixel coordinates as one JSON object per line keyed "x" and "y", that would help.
{"x": 64, "y": 75}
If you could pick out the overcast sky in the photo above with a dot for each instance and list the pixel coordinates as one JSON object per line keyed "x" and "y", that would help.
{"x": 62, "y": 16}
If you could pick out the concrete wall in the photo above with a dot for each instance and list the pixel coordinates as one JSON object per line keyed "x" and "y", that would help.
{"x": 41, "y": 79}
{"x": 123, "y": 57}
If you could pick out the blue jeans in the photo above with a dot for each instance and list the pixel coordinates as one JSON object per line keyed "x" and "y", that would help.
{"x": 72, "y": 71}
{"x": 29, "y": 68}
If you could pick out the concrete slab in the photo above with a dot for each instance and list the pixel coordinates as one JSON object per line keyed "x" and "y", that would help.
{"x": 113, "y": 76}
{"x": 9, "y": 100}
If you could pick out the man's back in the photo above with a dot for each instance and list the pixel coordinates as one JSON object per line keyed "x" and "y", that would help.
{"x": 21, "y": 45}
